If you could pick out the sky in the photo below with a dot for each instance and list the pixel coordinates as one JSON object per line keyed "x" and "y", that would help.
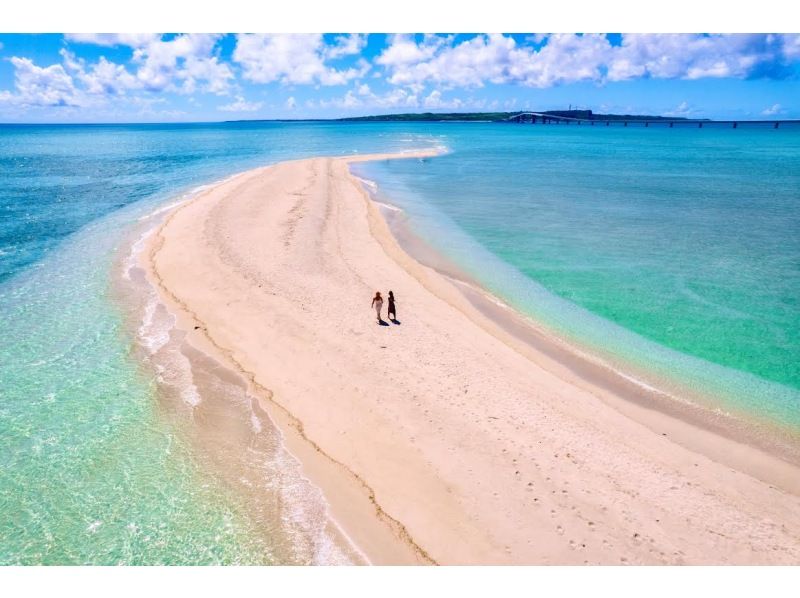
{"x": 212, "y": 77}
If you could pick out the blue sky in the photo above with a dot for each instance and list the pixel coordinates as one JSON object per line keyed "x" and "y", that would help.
{"x": 205, "y": 77}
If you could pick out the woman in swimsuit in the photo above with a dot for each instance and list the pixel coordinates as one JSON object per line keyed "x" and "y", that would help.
{"x": 391, "y": 311}
{"x": 377, "y": 303}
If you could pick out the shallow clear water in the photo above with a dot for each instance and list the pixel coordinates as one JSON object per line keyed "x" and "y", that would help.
{"x": 110, "y": 453}
{"x": 675, "y": 250}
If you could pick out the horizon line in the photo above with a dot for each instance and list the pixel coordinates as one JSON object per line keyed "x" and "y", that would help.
{"x": 639, "y": 117}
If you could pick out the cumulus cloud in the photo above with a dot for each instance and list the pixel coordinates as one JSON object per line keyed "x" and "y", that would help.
{"x": 791, "y": 45}
{"x": 693, "y": 56}
{"x": 295, "y": 58}
{"x": 435, "y": 101}
{"x": 493, "y": 58}
{"x": 772, "y": 110}
{"x": 291, "y": 103}
{"x": 681, "y": 110}
{"x": 134, "y": 40}
{"x": 242, "y": 105}
{"x": 184, "y": 64}
{"x": 42, "y": 86}
{"x": 102, "y": 77}
{"x": 403, "y": 50}
{"x": 395, "y": 98}
{"x": 346, "y": 45}
{"x": 568, "y": 58}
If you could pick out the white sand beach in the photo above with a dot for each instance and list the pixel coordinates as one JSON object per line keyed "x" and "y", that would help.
{"x": 443, "y": 439}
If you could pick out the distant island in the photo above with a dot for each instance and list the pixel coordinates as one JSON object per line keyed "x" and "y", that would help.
{"x": 583, "y": 115}
{"x": 547, "y": 116}
{"x": 501, "y": 116}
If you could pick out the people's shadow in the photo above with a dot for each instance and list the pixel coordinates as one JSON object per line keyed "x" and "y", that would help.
{"x": 381, "y": 322}
{"x": 395, "y": 321}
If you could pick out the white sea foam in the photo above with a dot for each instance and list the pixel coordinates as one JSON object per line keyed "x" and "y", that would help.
{"x": 388, "y": 206}
{"x": 189, "y": 392}
{"x": 152, "y": 333}
{"x": 136, "y": 249}
{"x": 368, "y": 183}
{"x": 163, "y": 208}
{"x": 255, "y": 422}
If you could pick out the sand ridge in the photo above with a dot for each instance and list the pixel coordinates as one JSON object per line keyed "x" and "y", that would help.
{"x": 468, "y": 450}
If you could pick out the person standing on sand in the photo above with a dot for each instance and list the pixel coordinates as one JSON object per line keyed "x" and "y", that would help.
{"x": 391, "y": 311}
{"x": 377, "y": 303}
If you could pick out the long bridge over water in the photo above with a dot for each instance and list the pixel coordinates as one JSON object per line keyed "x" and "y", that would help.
{"x": 552, "y": 118}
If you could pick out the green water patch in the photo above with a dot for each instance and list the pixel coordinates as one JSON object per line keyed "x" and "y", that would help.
{"x": 93, "y": 472}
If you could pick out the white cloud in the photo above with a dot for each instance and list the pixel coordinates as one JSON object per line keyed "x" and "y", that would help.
{"x": 350, "y": 100}
{"x": 404, "y": 51}
{"x": 242, "y": 105}
{"x": 536, "y": 38}
{"x": 791, "y": 45}
{"x": 681, "y": 110}
{"x": 568, "y": 58}
{"x": 291, "y": 103}
{"x": 42, "y": 86}
{"x": 102, "y": 77}
{"x": 493, "y": 58}
{"x": 291, "y": 59}
{"x": 772, "y": 110}
{"x": 398, "y": 98}
{"x": 134, "y": 40}
{"x": 434, "y": 100}
{"x": 693, "y": 56}
{"x": 184, "y": 64}
{"x": 394, "y": 98}
{"x": 346, "y": 45}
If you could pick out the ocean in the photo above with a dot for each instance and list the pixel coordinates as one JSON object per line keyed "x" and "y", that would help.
{"x": 672, "y": 254}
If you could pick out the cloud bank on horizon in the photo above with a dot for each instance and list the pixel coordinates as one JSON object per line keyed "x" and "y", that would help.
{"x": 129, "y": 77}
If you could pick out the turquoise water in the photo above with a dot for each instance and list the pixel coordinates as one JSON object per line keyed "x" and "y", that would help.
{"x": 674, "y": 251}
{"x": 109, "y": 454}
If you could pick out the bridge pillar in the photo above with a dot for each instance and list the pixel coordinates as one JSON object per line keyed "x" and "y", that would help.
{"x": 626, "y": 123}
{"x": 608, "y": 123}
{"x": 735, "y": 124}
{"x": 699, "y": 125}
{"x": 671, "y": 124}
{"x": 646, "y": 124}
{"x": 776, "y": 124}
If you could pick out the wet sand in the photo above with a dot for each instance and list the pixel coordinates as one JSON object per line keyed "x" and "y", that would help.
{"x": 445, "y": 438}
